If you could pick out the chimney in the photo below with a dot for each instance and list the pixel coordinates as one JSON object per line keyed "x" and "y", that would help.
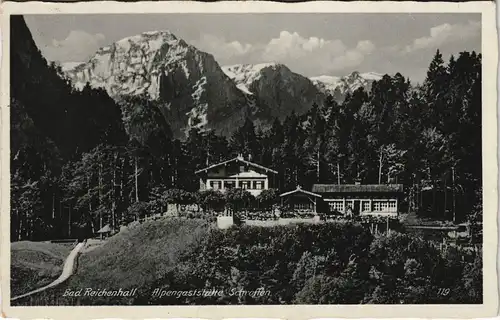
{"x": 249, "y": 157}
{"x": 239, "y": 156}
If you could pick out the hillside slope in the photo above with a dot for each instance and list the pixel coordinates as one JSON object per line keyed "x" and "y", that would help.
{"x": 35, "y": 264}
{"x": 136, "y": 257}
{"x": 184, "y": 256}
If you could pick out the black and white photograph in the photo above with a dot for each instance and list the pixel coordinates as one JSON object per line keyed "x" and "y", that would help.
{"x": 216, "y": 159}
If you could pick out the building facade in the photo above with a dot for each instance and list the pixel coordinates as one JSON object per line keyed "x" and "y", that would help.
{"x": 345, "y": 199}
{"x": 237, "y": 173}
{"x": 359, "y": 199}
{"x": 300, "y": 200}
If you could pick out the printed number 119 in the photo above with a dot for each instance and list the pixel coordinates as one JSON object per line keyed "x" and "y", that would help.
{"x": 443, "y": 291}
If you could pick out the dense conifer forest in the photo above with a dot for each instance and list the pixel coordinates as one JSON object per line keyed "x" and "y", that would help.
{"x": 80, "y": 159}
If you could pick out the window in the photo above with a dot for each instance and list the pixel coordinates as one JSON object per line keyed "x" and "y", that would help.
{"x": 365, "y": 206}
{"x": 229, "y": 184}
{"x": 245, "y": 185}
{"x": 303, "y": 206}
{"x": 393, "y": 206}
{"x": 336, "y": 205}
{"x": 385, "y": 206}
{"x": 349, "y": 204}
{"x": 216, "y": 185}
{"x": 259, "y": 185}
{"x": 242, "y": 169}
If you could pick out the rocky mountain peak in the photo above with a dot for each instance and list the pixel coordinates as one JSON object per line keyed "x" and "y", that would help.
{"x": 353, "y": 75}
{"x": 195, "y": 90}
{"x": 166, "y": 68}
{"x": 275, "y": 88}
{"x": 338, "y": 87}
{"x": 132, "y": 65}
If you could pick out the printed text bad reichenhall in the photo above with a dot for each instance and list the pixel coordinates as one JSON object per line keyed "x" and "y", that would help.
{"x": 160, "y": 293}
{"x": 90, "y": 292}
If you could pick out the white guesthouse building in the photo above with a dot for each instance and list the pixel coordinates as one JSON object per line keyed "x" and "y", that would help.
{"x": 237, "y": 173}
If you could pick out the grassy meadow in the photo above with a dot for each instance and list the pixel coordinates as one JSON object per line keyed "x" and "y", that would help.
{"x": 35, "y": 264}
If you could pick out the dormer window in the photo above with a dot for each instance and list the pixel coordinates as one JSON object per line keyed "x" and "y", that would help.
{"x": 242, "y": 168}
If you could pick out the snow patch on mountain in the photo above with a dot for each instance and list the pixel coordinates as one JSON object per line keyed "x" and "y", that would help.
{"x": 330, "y": 80}
{"x": 197, "y": 117}
{"x": 245, "y": 74}
{"x": 66, "y": 66}
{"x": 274, "y": 87}
{"x": 339, "y": 87}
{"x": 371, "y": 76}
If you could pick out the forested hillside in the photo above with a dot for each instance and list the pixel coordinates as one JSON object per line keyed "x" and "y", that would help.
{"x": 51, "y": 126}
{"x": 184, "y": 262}
{"x": 80, "y": 159}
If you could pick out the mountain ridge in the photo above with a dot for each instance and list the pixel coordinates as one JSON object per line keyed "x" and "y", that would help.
{"x": 275, "y": 88}
{"x": 338, "y": 87}
{"x": 165, "y": 68}
{"x": 195, "y": 89}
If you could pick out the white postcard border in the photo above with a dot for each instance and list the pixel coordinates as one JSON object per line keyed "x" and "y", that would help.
{"x": 489, "y": 308}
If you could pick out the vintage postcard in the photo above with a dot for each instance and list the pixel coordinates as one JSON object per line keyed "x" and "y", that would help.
{"x": 249, "y": 159}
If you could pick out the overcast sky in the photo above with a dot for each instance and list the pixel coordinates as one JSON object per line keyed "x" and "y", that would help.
{"x": 310, "y": 44}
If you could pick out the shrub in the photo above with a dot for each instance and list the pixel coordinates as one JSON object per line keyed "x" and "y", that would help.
{"x": 317, "y": 290}
{"x": 178, "y": 197}
{"x": 266, "y": 257}
{"x": 237, "y": 199}
{"x": 332, "y": 263}
{"x": 211, "y": 200}
{"x": 137, "y": 210}
{"x": 267, "y": 198}
{"x": 157, "y": 202}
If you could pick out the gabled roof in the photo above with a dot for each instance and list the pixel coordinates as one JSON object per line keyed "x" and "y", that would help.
{"x": 352, "y": 188}
{"x": 299, "y": 189}
{"x": 105, "y": 229}
{"x": 238, "y": 159}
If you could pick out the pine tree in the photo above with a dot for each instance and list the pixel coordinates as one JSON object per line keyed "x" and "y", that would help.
{"x": 245, "y": 140}
{"x": 435, "y": 85}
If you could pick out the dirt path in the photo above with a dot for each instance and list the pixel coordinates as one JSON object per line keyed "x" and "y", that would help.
{"x": 68, "y": 269}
